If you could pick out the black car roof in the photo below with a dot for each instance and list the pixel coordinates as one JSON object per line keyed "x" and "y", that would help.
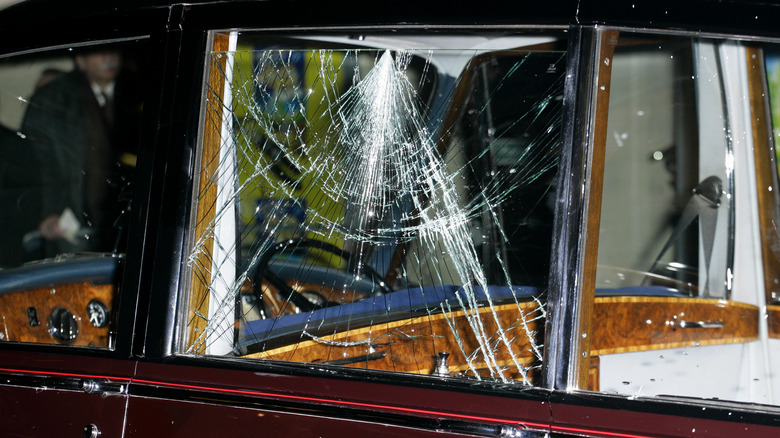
{"x": 34, "y": 21}
{"x": 749, "y": 15}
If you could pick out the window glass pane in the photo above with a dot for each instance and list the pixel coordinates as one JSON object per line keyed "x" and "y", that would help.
{"x": 69, "y": 138}
{"x": 678, "y": 229}
{"x": 675, "y": 309}
{"x": 381, "y": 202}
{"x": 770, "y": 232}
{"x": 769, "y": 196}
{"x": 772, "y": 57}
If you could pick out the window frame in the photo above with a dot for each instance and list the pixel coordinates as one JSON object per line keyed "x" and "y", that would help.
{"x": 126, "y": 267}
{"x": 184, "y": 279}
{"x": 594, "y": 113}
{"x": 572, "y": 273}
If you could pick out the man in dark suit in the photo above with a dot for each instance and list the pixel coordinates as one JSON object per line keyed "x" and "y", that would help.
{"x": 84, "y": 128}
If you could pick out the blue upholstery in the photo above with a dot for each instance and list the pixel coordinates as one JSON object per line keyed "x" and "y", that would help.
{"x": 380, "y": 307}
{"x": 405, "y": 303}
{"x": 50, "y": 273}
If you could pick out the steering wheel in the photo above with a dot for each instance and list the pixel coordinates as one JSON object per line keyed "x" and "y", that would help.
{"x": 287, "y": 293}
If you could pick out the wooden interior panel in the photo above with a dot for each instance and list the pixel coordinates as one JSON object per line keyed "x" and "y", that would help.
{"x": 593, "y": 374}
{"x": 773, "y": 320}
{"x": 412, "y": 345}
{"x": 74, "y": 297}
{"x": 608, "y": 40}
{"x": 621, "y": 324}
{"x": 631, "y": 323}
{"x": 207, "y": 196}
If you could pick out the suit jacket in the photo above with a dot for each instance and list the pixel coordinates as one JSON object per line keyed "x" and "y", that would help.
{"x": 79, "y": 152}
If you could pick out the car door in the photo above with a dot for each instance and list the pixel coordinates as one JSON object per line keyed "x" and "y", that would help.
{"x": 674, "y": 336}
{"x": 357, "y": 235}
{"x": 61, "y": 286}
{"x": 336, "y": 233}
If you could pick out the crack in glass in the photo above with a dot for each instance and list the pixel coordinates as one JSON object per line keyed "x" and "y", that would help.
{"x": 388, "y": 209}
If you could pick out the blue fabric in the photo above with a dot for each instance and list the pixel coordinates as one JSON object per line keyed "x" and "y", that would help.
{"x": 399, "y": 302}
{"x": 404, "y": 302}
{"x": 100, "y": 270}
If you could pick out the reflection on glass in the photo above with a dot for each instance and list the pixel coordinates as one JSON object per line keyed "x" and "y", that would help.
{"x": 772, "y": 60}
{"x": 674, "y": 313}
{"x": 679, "y": 215}
{"x": 68, "y": 142}
{"x": 394, "y": 207}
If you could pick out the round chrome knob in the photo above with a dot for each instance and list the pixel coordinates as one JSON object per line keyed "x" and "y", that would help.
{"x": 91, "y": 431}
{"x": 63, "y": 325}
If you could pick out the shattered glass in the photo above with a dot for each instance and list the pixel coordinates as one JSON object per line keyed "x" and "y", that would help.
{"x": 378, "y": 203}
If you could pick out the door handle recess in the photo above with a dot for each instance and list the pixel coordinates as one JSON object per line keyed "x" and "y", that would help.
{"x": 701, "y": 324}
{"x": 675, "y": 324}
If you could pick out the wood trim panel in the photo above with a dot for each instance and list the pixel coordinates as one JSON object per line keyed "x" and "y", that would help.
{"x": 773, "y": 320}
{"x": 621, "y": 324}
{"x": 607, "y": 41}
{"x": 74, "y": 297}
{"x": 412, "y": 345}
{"x": 629, "y": 323}
{"x": 593, "y": 374}
{"x": 207, "y": 195}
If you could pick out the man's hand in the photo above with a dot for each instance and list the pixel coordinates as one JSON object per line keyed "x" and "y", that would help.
{"x": 50, "y": 228}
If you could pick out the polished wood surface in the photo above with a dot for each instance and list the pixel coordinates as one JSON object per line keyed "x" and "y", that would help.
{"x": 773, "y": 320}
{"x": 631, "y": 323}
{"x": 207, "y": 198}
{"x": 73, "y": 297}
{"x": 412, "y": 345}
{"x": 621, "y": 324}
{"x": 593, "y": 374}
{"x": 595, "y": 179}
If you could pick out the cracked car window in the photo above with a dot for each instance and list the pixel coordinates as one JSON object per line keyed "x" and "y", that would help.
{"x": 382, "y": 202}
